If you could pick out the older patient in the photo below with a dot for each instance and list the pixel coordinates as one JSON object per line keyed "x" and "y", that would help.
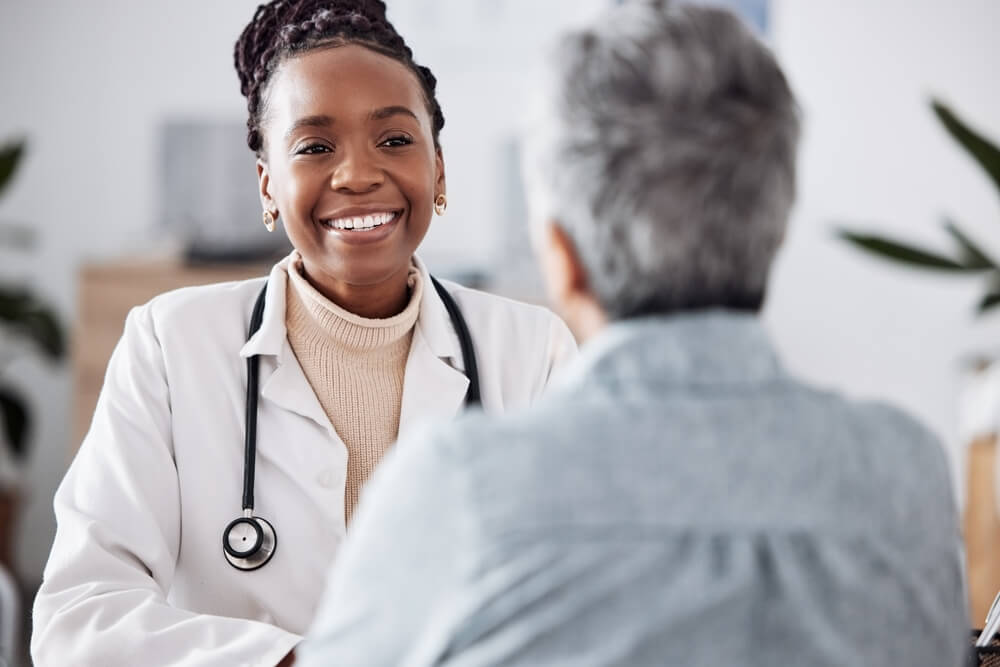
{"x": 680, "y": 499}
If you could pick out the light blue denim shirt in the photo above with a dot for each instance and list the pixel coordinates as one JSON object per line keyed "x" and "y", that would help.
{"x": 677, "y": 500}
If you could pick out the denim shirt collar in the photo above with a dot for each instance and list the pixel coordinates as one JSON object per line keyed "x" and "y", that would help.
{"x": 712, "y": 348}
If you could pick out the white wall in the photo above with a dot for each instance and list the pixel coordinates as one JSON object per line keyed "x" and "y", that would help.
{"x": 874, "y": 153}
{"x": 88, "y": 83}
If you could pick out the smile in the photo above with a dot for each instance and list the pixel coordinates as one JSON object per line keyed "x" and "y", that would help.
{"x": 361, "y": 222}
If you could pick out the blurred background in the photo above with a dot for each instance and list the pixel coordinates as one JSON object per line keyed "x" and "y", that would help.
{"x": 135, "y": 178}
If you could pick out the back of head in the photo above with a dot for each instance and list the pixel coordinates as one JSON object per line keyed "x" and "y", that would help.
{"x": 667, "y": 153}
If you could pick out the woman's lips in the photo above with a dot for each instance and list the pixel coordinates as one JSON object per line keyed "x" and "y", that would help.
{"x": 360, "y": 229}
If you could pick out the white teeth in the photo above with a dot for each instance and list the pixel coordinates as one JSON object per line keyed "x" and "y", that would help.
{"x": 361, "y": 222}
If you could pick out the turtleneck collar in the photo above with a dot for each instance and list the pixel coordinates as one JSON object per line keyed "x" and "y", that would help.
{"x": 320, "y": 316}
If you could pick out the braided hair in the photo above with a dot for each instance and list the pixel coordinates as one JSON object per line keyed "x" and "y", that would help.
{"x": 282, "y": 28}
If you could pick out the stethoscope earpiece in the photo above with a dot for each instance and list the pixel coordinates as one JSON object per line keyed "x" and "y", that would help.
{"x": 248, "y": 542}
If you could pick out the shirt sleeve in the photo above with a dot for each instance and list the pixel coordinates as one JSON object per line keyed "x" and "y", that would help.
{"x": 391, "y": 586}
{"x": 103, "y": 600}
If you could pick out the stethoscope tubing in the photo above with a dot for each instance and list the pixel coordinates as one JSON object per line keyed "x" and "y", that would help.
{"x": 266, "y": 540}
{"x": 472, "y": 397}
{"x": 253, "y": 378}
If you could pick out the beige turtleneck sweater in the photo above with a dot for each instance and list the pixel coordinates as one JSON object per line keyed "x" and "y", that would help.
{"x": 356, "y": 366}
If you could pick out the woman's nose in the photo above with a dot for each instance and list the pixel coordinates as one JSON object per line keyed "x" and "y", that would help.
{"x": 356, "y": 172}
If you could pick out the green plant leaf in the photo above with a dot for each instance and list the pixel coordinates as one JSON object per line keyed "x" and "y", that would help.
{"x": 988, "y": 302}
{"x": 16, "y": 421}
{"x": 981, "y": 149}
{"x": 991, "y": 299}
{"x": 10, "y": 157}
{"x": 902, "y": 253}
{"x": 972, "y": 257}
{"x": 27, "y": 316}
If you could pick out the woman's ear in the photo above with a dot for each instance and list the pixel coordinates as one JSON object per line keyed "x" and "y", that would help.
{"x": 264, "y": 188}
{"x": 439, "y": 181}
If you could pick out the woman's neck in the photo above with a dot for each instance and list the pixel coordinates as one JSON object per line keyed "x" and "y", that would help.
{"x": 379, "y": 301}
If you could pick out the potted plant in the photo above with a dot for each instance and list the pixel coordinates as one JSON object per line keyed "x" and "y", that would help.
{"x": 25, "y": 321}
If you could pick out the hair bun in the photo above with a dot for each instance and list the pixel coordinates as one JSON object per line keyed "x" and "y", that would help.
{"x": 281, "y": 27}
{"x": 376, "y": 9}
{"x": 360, "y": 22}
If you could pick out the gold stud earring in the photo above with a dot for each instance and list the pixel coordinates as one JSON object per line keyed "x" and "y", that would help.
{"x": 440, "y": 204}
{"x": 269, "y": 221}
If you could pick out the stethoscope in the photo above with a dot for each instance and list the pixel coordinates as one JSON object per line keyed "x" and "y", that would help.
{"x": 249, "y": 541}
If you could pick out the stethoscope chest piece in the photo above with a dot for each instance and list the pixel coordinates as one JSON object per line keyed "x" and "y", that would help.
{"x": 249, "y": 542}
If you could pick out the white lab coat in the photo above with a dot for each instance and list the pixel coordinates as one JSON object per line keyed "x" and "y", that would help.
{"x": 137, "y": 574}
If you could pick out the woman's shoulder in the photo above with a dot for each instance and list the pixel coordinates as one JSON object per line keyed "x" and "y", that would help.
{"x": 213, "y": 310}
{"x": 206, "y": 301}
{"x": 480, "y": 306}
{"x": 509, "y": 327}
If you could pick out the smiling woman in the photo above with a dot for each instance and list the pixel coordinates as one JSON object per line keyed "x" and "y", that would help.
{"x": 351, "y": 343}
{"x": 348, "y": 137}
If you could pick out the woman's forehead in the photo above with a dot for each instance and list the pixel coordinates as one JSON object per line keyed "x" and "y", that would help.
{"x": 342, "y": 80}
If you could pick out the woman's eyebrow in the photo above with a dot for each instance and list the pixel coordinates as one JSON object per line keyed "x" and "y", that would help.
{"x": 309, "y": 121}
{"x": 386, "y": 112}
{"x": 325, "y": 121}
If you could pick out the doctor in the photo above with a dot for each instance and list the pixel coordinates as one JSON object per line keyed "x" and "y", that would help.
{"x": 152, "y": 562}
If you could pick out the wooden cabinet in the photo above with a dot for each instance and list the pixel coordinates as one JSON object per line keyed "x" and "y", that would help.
{"x": 107, "y": 291}
{"x": 982, "y": 527}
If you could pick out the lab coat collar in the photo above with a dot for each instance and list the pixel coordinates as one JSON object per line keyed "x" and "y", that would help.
{"x": 433, "y": 322}
{"x": 434, "y": 384}
{"x": 282, "y": 380}
{"x": 271, "y": 337}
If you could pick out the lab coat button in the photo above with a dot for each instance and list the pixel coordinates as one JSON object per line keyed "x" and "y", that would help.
{"x": 325, "y": 478}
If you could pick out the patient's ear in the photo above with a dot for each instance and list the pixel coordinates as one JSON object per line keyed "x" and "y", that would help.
{"x": 567, "y": 283}
{"x": 559, "y": 263}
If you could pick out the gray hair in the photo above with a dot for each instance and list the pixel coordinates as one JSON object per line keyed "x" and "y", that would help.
{"x": 667, "y": 154}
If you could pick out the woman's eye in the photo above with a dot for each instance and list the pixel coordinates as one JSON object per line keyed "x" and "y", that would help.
{"x": 397, "y": 141}
{"x": 313, "y": 149}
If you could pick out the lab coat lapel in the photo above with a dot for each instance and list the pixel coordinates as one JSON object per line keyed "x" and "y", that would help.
{"x": 432, "y": 389}
{"x": 284, "y": 439}
{"x": 288, "y": 388}
{"x": 282, "y": 380}
{"x": 435, "y": 385}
